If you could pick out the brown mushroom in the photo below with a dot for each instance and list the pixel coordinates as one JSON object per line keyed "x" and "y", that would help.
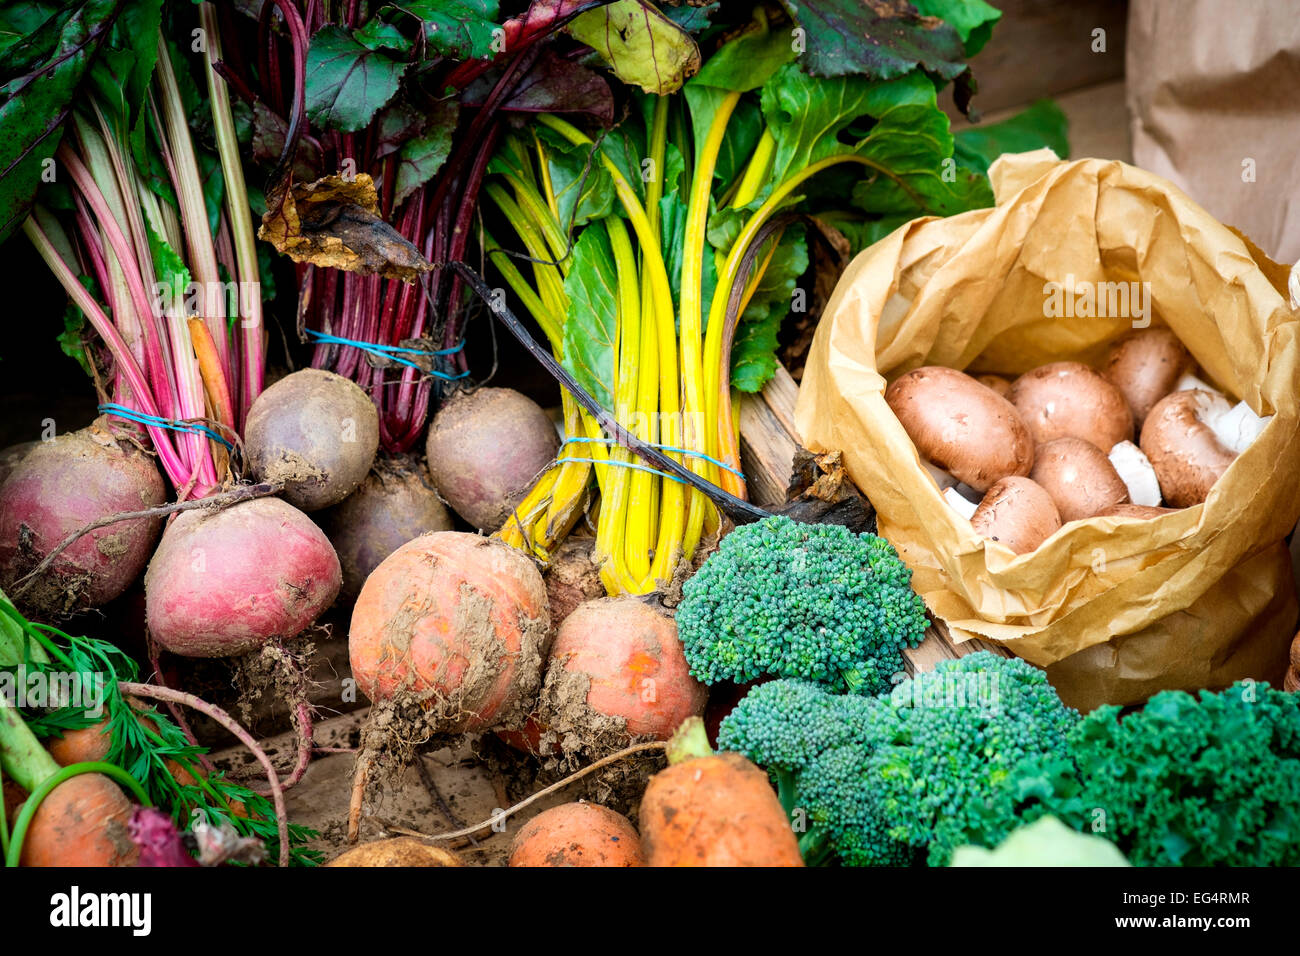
{"x": 1187, "y": 456}
{"x": 1145, "y": 366}
{"x": 1018, "y": 513}
{"x": 1070, "y": 400}
{"x": 996, "y": 382}
{"x": 1079, "y": 477}
{"x": 1135, "y": 511}
{"x": 961, "y": 426}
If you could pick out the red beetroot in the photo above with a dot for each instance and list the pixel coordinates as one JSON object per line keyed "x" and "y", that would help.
{"x": 58, "y": 487}
{"x": 456, "y": 622}
{"x": 616, "y": 672}
{"x": 485, "y": 449}
{"x": 394, "y": 504}
{"x": 224, "y": 582}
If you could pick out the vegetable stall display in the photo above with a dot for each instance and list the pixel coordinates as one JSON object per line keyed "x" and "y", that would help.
{"x": 580, "y": 593}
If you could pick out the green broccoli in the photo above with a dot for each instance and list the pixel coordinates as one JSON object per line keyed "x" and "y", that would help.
{"x": 1188, "y": 782}
{"x": 815, "y": 602}
{"x": 815, "y": 744}
{"x": 944, "y": 771}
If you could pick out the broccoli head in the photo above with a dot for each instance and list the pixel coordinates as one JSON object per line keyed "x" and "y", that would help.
{"x": 946, "y": 769}
{"x": 815, "y": 602}
{"x": 815, "y": 744}
{"x": 1213, "y": 781}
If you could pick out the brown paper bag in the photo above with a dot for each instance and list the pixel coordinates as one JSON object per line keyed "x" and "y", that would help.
{"x": 1118, "y": 608}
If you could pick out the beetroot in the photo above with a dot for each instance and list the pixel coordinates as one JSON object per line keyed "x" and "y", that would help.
{"x": 485, "y": 448}
{"x": 456, "y": 623}
{"x": 616, "y": 673}
{"x": 224, "y": 582}
{"x": 396, "y": 502}
{"x": 11, "y": 456}
{"x": 60, "y": 486}
{"x": 315, "y": 431}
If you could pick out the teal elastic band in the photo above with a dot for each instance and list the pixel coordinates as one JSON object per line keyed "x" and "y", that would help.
{"x": 392, "y": 352}
{"x": 192, "y": 428}
{"x": 679, "y": 451}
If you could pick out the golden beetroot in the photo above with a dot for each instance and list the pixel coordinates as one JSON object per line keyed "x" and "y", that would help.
{"x": 577, "y": 834}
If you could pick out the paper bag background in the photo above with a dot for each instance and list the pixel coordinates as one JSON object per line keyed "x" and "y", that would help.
{"x": 1119, "y": 608}
{"x": 1209, "y": 85}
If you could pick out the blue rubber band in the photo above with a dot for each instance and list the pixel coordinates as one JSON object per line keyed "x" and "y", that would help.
{"x": 130, "y": 414}
{"x": 679, "y": 451}
{"x": 393, "y": 352}
{"x": 623, "y": 464}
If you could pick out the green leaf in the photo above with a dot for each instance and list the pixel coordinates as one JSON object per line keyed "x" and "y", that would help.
{"x": 378, "y": 34}
{"x": 347, "y": 84}
{"x": 459, "y": 29}
{"x": 1043, "y": 124}
{"x": 584, "y": 189}
{"x": 74, "y": 324}
{"x": 18, "y": 22}
{"x": 421, "y": 157}
{"x": 753, "y": 353}
{"x": 625, "y": 146}
{"x": 877, "y": 39}
{"x": 972, "y": 19}
{"x": 747, "y": 61}
{"x": 907, "y": 141}
{"x": 169, "y": 268}
{"x": 642, "y": 46}
{"x": 590, "y": 327}
{"x": 33, "y": 104}
{"x": 672, "y": 226}
{"x": 692, "y": 19}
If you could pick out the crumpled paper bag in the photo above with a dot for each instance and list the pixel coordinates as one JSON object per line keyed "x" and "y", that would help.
{"x": 1116, "y": 609}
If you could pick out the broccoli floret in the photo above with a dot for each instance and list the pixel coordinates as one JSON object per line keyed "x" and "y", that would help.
{"x": 1188, "y": 782}
{"x": 815, "y": 602}
{"x": 815, "y": 744}
{"x": 946, "y": 774}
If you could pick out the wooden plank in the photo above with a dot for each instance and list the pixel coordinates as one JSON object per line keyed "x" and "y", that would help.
{"x": 767, "y": 443}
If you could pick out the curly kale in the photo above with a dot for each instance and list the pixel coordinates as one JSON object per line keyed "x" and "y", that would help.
{"x": 1213, "y": 781}
{"x": 946, "y": 771}
{"x": 815, "y": 602}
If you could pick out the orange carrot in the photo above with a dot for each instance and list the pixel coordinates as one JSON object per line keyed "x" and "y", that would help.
{"x": 710, "y": 809}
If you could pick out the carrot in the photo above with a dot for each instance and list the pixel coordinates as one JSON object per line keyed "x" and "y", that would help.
{"x": 577, "y": 834}
{"x": 93, "y": 743}
{"x": 79, "y": 821}
{"x": 710, "y": 809}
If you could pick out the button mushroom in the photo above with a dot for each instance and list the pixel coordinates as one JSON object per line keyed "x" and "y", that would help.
{"x": 961, "y": 426}
{"x": 1079, "y": 477}
{"x": 1145, "y": 365}
{"x": 1136, "y": 473}
{"x": 1187, "y": 456}
{"x": 1070, "y": 400}
{"x": 1018, "y": 513}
